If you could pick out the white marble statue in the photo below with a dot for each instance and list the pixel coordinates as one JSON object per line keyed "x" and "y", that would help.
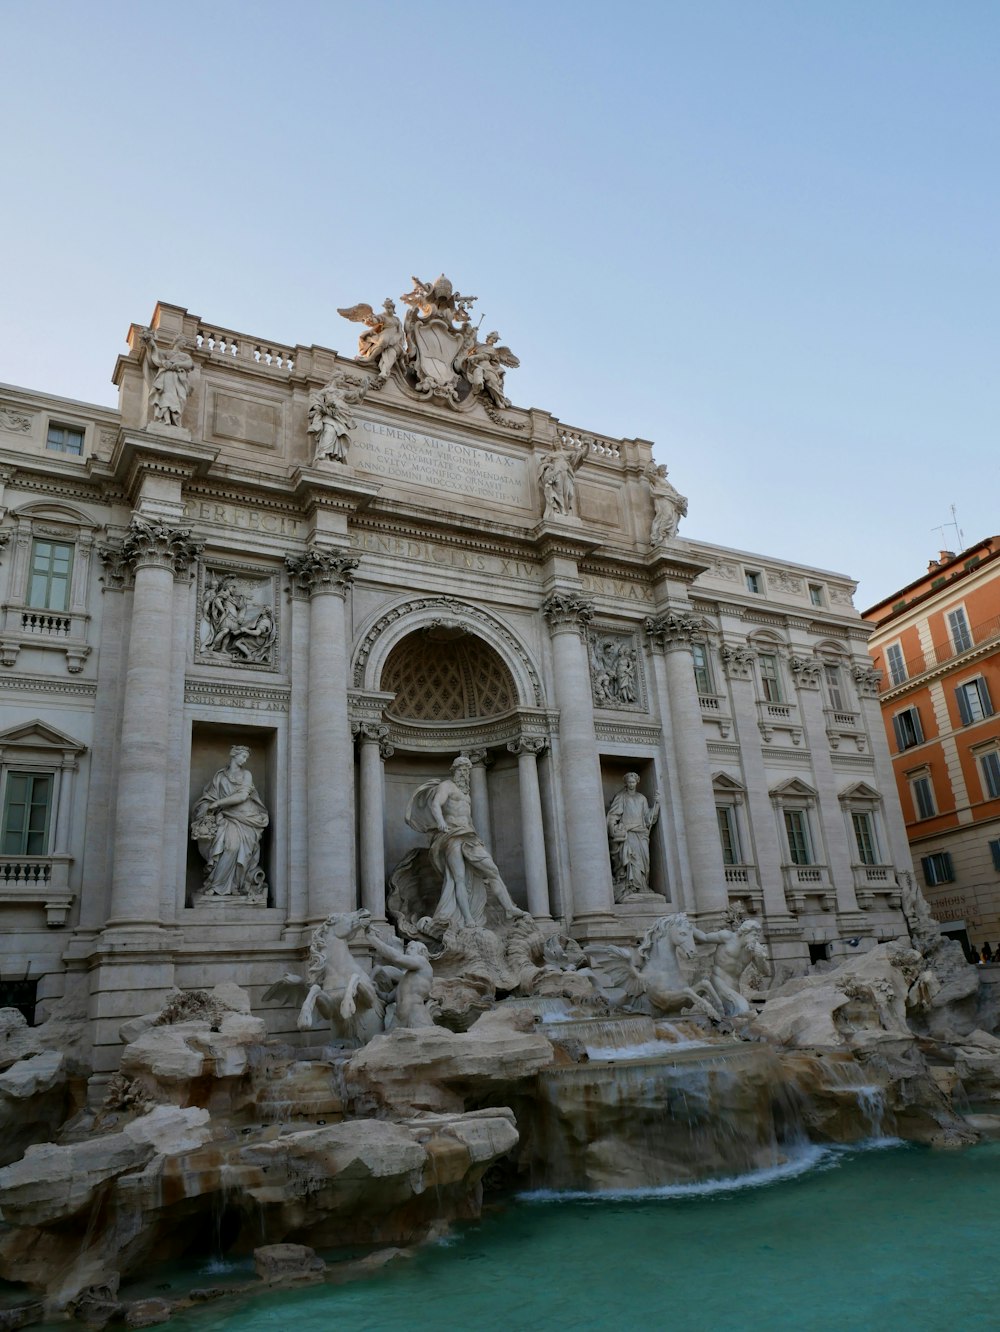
{"x": 484, "y": 364}
{"x": 229, "y": 819}
{"x": 411, "y": 971}
{"x": 330, "y": 419}
{"x": 736, "y": 950}
{"x": 472, "y": 890}
{"x": 382, "y": 344}
{"x": 337, "y": 985}
{"x": 630, "y": 819}
{"x": 172, "y": 379}
{"x": 669, "y": 505}
{"x": 651, "y": 978}
{"x": 557, "y": 474}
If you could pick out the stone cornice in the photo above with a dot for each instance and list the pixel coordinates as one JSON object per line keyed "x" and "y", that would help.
{"x": 139, "y": 453}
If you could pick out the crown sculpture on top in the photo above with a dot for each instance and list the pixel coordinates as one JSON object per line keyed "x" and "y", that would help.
{"x": 436, "y": 348}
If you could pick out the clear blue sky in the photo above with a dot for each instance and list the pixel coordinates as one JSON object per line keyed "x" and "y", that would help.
{"x": 762, "y": 234}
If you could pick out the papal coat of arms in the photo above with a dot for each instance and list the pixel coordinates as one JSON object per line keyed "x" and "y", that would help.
{"x": 435, "y": 349}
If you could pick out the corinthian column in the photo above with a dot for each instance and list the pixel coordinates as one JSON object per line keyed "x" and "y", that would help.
{"x": 527, "y": 748}
{"x": 669, "y": 636}
{"x": 324, "y": 576}
{"x": 375, "y": 749}
{"x": 157, "y": 554}
{"x": 579, "y": 766}
{"x": 480, "y": 796}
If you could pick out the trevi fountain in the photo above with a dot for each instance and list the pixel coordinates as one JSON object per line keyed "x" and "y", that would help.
{"x": 429, "y": 953}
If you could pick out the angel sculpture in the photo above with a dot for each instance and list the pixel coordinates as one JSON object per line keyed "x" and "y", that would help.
{"x": 382, "y": 344}
{"x": 336, "y": 986}
{"x": 650, "y": 978}
{"x": 484, "y": 366}
{"x": 557, "y": 474}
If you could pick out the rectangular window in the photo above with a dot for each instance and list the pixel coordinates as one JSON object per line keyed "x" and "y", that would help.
{"x": 973, "y": 701}
{"x": 65, "y": 439}
{"x": 923, "y": 797}
{"x": 729, "y": 834}
{"x": 864, "y": 833}
{"x": 702, "y": 669}
{"x": 938, "y": 868}
{"x": 797, "y": 832}
{"x": 48, "y": 582}
{"x": 834, "y": 687}
{"x": 995, "y": 853}
{"x": 26, "y": 813}
{"x": 896, "y": 662}
{"x": 909, "y": 732}
{"x": 755, "y": 581}
{"x": 990, "y": 764}
{"x": 770, "y": 679}
{"x": 959, "y": 626}
{"x": 816, "y": 594}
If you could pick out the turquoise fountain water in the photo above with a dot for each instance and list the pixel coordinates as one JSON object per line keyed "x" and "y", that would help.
{"x": 893, "y": 1239}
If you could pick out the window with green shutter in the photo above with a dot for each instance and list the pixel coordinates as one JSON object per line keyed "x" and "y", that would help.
{"x": 26, "y": 809}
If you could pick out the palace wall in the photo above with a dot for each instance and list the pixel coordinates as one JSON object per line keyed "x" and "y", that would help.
{"x": 423, "y": 598}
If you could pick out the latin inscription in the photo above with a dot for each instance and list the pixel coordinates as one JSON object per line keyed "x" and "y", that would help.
{"x": 441, "y": 464}
{"x": 432, "y": 552}
{"x": 617, "y": 588}
{"x": 246, "y": 520}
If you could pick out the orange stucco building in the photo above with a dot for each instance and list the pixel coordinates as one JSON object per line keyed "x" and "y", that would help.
{"x": 937, "y": 643}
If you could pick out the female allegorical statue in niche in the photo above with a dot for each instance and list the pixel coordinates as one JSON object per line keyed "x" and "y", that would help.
{"x": 228, "y": 822}
{"x": 630, "y": 818}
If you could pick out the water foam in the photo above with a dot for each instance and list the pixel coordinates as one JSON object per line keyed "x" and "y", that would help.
{"x": 606, "y": 1054}
{"x": 803, "y": 1159}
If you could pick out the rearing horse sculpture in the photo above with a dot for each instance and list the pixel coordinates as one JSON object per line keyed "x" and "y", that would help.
{"x": 650, "y": 979}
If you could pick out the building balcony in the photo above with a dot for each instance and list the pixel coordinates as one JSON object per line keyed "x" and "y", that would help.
{"x": 841, "y": 726}
{"x": 743, "y": 884}
{"x": 715, "y": 707}
{"x": 38, "y": 881}
{"x": 808, "y": 888}
{"x": 35, "y": 627}
{"x": 875, "y": 886}
{"x": 919, "y": 663}
{"x": 772, "y": 717}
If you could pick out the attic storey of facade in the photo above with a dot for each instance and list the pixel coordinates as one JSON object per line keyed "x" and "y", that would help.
{"x": 297, "y": 584}
{"x": 936, "y": 643}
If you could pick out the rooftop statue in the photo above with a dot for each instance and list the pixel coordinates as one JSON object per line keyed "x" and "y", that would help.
{"x": 330, "y": 419}
{"x": 435, "y": 351}
{"x": 382, "y": 344}
{"x": 172, "y": 378}
{"x": 669, "y": 505}
{"x": 557, "y": 474}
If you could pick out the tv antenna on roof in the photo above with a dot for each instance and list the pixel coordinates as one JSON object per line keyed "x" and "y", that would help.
{"x": 953, "y": 524}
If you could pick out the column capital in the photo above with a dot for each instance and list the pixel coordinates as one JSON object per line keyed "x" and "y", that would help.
{"x": 737, "y": 661}
{"x": 151, "y": 543}
{"x": 479, "y": 758}
{"x": 321, "y": 569}
{"x": 567, "y": 611}
{"x": 670, "y": 630}
{"x": 805, "y": 671}
{"x": 374, "y": 733}
{"x": 527, "y": 744}
{"x": 117, "y": 574}
{"x": 867, "y": 679}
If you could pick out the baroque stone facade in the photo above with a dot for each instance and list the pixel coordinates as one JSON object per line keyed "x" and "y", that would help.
{"x": 346, "y": 571}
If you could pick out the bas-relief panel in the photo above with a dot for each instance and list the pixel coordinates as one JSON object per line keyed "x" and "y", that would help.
{"x": 237, "y": 621}
{"x": 616, "y": 676}
{"x": 445, "y": 465}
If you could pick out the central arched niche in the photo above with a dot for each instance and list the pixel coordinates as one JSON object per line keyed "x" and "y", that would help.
{"x": 444, "y": 673}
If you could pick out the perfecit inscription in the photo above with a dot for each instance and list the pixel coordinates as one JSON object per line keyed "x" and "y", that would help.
{"x": 441, "y": 464}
